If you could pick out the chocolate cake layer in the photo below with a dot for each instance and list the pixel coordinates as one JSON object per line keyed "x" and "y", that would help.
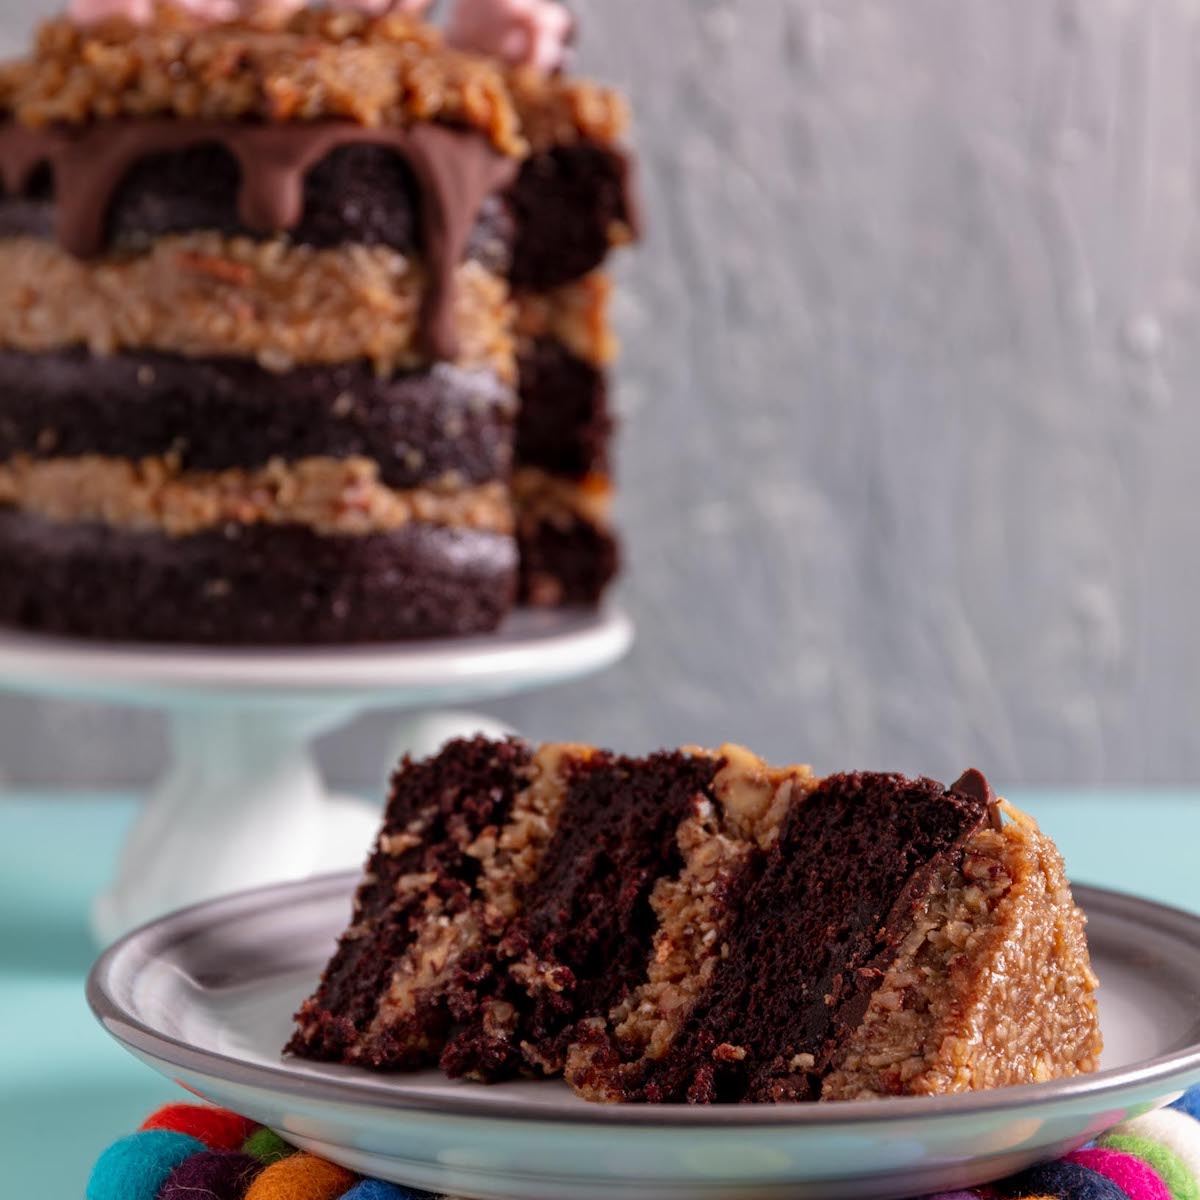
{"x": 564, "y": 425}
{"x": 332, "y": 496}
{"x": 567, "y": 561}
{"x": 816, "y": 925}
{"x": 215, "y": 413}
{"x": 252, "y": 584}
{"x": 422, "y": 870}
{"x": 583, "y": 935}
{"x": 360, "y": 194}
{"x": 571, "y": 204}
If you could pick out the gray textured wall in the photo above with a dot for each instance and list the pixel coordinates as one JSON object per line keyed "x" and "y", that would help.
{"x": 911, "y": 424}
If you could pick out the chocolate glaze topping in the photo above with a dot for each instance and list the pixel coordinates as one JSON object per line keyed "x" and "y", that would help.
{"x": 974, "y": 785}
{"x": 455, "y": 171}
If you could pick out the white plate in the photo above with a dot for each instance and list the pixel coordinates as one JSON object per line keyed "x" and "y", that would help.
{"x": 531, "y": 649}
{"x": 205, "y": 997}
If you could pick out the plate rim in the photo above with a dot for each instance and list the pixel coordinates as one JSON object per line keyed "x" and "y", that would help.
{"x": 372, "y": 1090}
{"x": 565, "y": 643}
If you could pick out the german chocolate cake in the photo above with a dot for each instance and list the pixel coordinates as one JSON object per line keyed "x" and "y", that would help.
{"x": 700, "y": 927}
{"x": 303, "y": 326}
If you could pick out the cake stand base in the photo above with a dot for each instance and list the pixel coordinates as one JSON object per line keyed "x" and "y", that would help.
{"x": 242, "y": 802}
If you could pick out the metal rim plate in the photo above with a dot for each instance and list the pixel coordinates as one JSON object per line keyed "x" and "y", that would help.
{"x": 204, "y": 995}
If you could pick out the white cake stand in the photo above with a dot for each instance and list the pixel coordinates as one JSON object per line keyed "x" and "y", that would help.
{"x": 242, "y": 802}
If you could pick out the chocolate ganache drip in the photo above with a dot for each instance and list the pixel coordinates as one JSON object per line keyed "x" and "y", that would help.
{"x": 456, "y": 171}
{"x": 974, "y": 785}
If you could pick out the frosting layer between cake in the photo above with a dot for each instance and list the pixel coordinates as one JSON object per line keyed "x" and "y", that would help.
{"x": 326, "y": 495}
{"x": 279, "y": 304}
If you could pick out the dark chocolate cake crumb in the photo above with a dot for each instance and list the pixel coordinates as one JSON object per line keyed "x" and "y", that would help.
{"x": 214, "y": 413}
{"x": 363, "y": 194}
{"x": 566, "y": 203}
{"x": 566, "y": 563}
{"x": 564, "y": 426}
{"x": 281, "y": 585}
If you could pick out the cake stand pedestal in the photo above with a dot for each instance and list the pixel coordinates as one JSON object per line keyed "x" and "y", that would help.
{"x": 242, "y": 802}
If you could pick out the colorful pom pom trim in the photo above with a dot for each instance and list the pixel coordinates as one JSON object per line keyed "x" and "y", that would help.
{"x": 217, "y": 1128}
{"x": 1135, "y": 1178}
{"x": 187, "y": 1150}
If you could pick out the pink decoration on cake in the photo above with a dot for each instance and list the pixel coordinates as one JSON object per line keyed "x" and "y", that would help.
{"x": 92, "y": 12}
{"x": 377, "y": 8}
{"x": 525, "y": 32}
{"x": 213, "y": 12}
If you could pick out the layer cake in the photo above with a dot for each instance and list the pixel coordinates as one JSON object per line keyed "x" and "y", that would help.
{"x": 697, "y": 926}
{"x": 266, "y": 318}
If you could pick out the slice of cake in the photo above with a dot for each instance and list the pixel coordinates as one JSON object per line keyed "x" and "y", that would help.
{"x": 259, "y": 361}
{"x": 896, "y": 938}
{"x": 697, "y": 926}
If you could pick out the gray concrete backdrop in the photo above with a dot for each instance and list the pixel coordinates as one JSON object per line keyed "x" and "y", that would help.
{"x": 909, "y": 456}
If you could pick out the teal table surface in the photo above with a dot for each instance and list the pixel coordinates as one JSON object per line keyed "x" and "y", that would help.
{"x": 67, "y": 1090}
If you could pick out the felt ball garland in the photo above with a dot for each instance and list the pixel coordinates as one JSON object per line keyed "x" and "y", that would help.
{"x": 213, "y": 1175}
{"x": 137, "y": 1166}
{"x": 196, "y": 1152}
{"x": 217, "y": 1128}
{"x": 1133, "y": 1176}
{"x": 1164, "y": 1161}
{"x": 302, "y": 1177}
{"x": 267, "y": 1146}
{"x": 1065, "y": 1181}
{"x": 1174, "y": 1130}
{"x": 377, "y": 1189}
